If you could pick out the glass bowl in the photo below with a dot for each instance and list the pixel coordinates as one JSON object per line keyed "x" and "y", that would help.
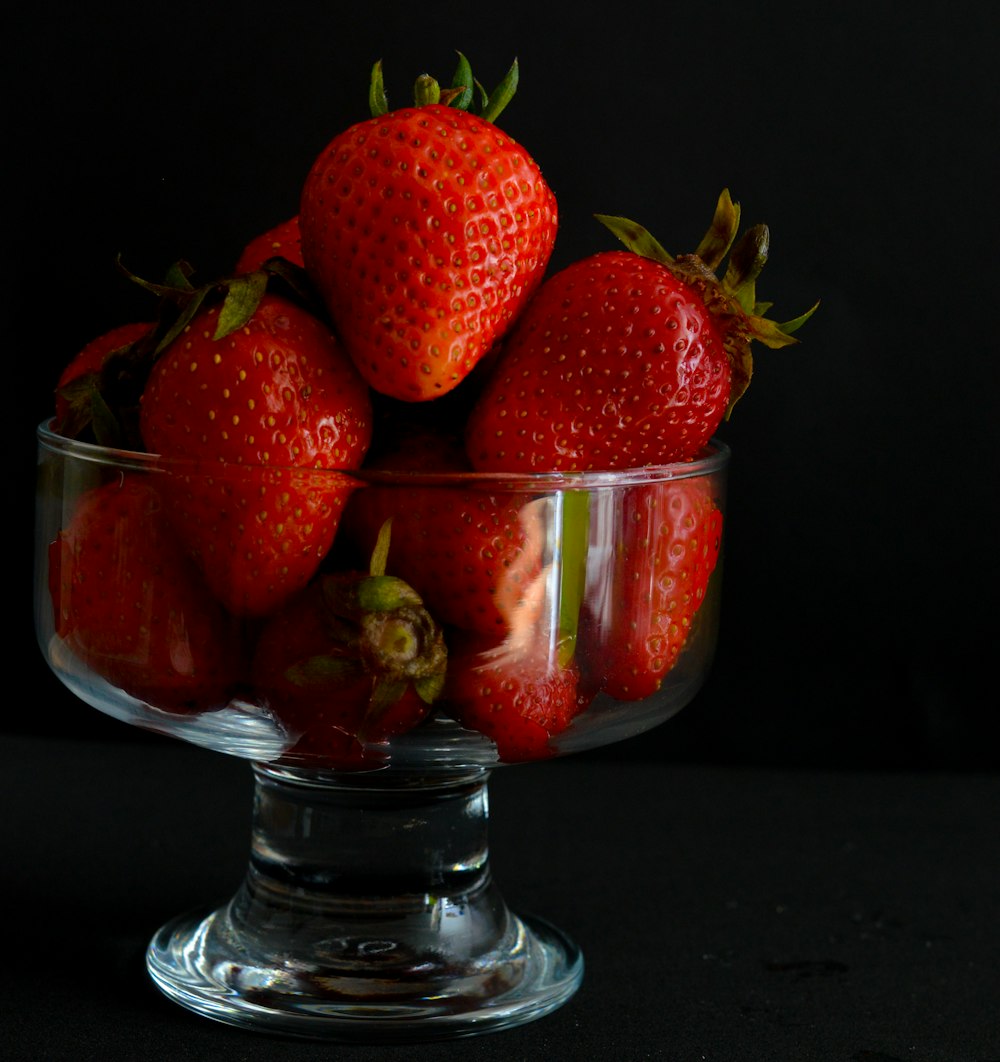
{"x": 445, "y": 625}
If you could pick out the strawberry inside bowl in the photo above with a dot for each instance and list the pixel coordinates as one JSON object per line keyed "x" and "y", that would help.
{"x": 378, "y": 618}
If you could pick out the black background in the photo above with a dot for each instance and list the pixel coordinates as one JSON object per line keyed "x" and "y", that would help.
{"x": 861, "y": 575}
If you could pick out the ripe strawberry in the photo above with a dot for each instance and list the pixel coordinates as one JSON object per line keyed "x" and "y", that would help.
{"x": 627, "y": 358}
{"x": 283, "y": 240}
{"x": 512, "y": 691}
{"x": 352, "y": 660}
{"x": 259, "y": 412}
{"x": 471, "y": 554}
{"x": 634, "y": 630}
{"x": 79, "y": 402}
{"x": 426, "y": 230}
{"x": 133, "y": 608}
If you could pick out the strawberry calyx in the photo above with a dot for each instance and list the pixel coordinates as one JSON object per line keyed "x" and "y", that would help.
{"x": 731, "y": 298}
{"x": 104, "y": 403}
{"x": 378, "y": 626}
{"x": 87, "y": 404}
{"x": 465, "y": 93}
{"x": 240, "y": 295}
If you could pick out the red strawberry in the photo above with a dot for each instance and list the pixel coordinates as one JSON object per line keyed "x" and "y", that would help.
{"x": 471, "y": 554}
{"x": 515, "y": 692}
{"x": 351, "y": 661}
{"x": 261, "y": 412}
{"x": 425, "y": 229}
{"x": 79, "y": 403}
{"x": 633, "y": 631}
{"x": 282, "y": 241}
{"x": 132, "y": 607}
{"x": 627, "y": 358}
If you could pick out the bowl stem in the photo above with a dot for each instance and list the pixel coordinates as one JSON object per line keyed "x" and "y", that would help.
{"x": 368, "y": 913}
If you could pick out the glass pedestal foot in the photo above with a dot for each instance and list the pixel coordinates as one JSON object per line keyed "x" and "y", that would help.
{"x": 368, "y": 914}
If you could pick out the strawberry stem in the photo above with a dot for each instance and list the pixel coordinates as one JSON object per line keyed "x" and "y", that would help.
{"x": 426, "y": 91}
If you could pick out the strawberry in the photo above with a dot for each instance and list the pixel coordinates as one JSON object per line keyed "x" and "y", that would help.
{"x": 282, "y": 241}
{"x": 79, "y": 402}
{"x": 259, "y": 413}
{"x": 634, "y": 629}
{"x": 627, "y": 358}
{"x": 352, "y": 660}
{"x": 513, "y": 691}
{"x": 131, "y": 606}
{"x": 426, "y": 230}
{"x": 471, "y": 554}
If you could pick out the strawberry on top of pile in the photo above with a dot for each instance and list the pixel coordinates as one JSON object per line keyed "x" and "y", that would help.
{"x": 403, "y": 319}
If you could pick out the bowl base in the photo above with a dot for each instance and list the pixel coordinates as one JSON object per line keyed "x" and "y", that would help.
{"x": 368, "y": 992}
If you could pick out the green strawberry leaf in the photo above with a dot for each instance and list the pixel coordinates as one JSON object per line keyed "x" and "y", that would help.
{"x": 788, "y": 327}
{"x": 775, "y": 335}
{"x": 501, "y": 95}
{"x": 378, "y": 102}
{"x": 461, "y": 93}
{"x": 384, "y": 593}
{"x": 380, "y": 554}
{"x": 176, "y": 285}
{"x": 463, "y": 82}
{"x": 179, "y": 276}
{"x": 243, "y": 295}
{"x": 636, "y": 238}
{"x": 429, "y": 687}
{"x": 183, "y": 319}
{"x": 725, "y": 224}
{"x": 386, "y": 691}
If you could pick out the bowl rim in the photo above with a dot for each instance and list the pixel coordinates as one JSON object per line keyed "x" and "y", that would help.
{"x": 713, "y": 459}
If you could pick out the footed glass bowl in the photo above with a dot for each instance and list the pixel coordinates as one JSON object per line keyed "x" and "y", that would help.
{"x": 375, "y": 644}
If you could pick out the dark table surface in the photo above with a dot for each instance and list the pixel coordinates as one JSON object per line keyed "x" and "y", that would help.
{"x": 725, "y": 913}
